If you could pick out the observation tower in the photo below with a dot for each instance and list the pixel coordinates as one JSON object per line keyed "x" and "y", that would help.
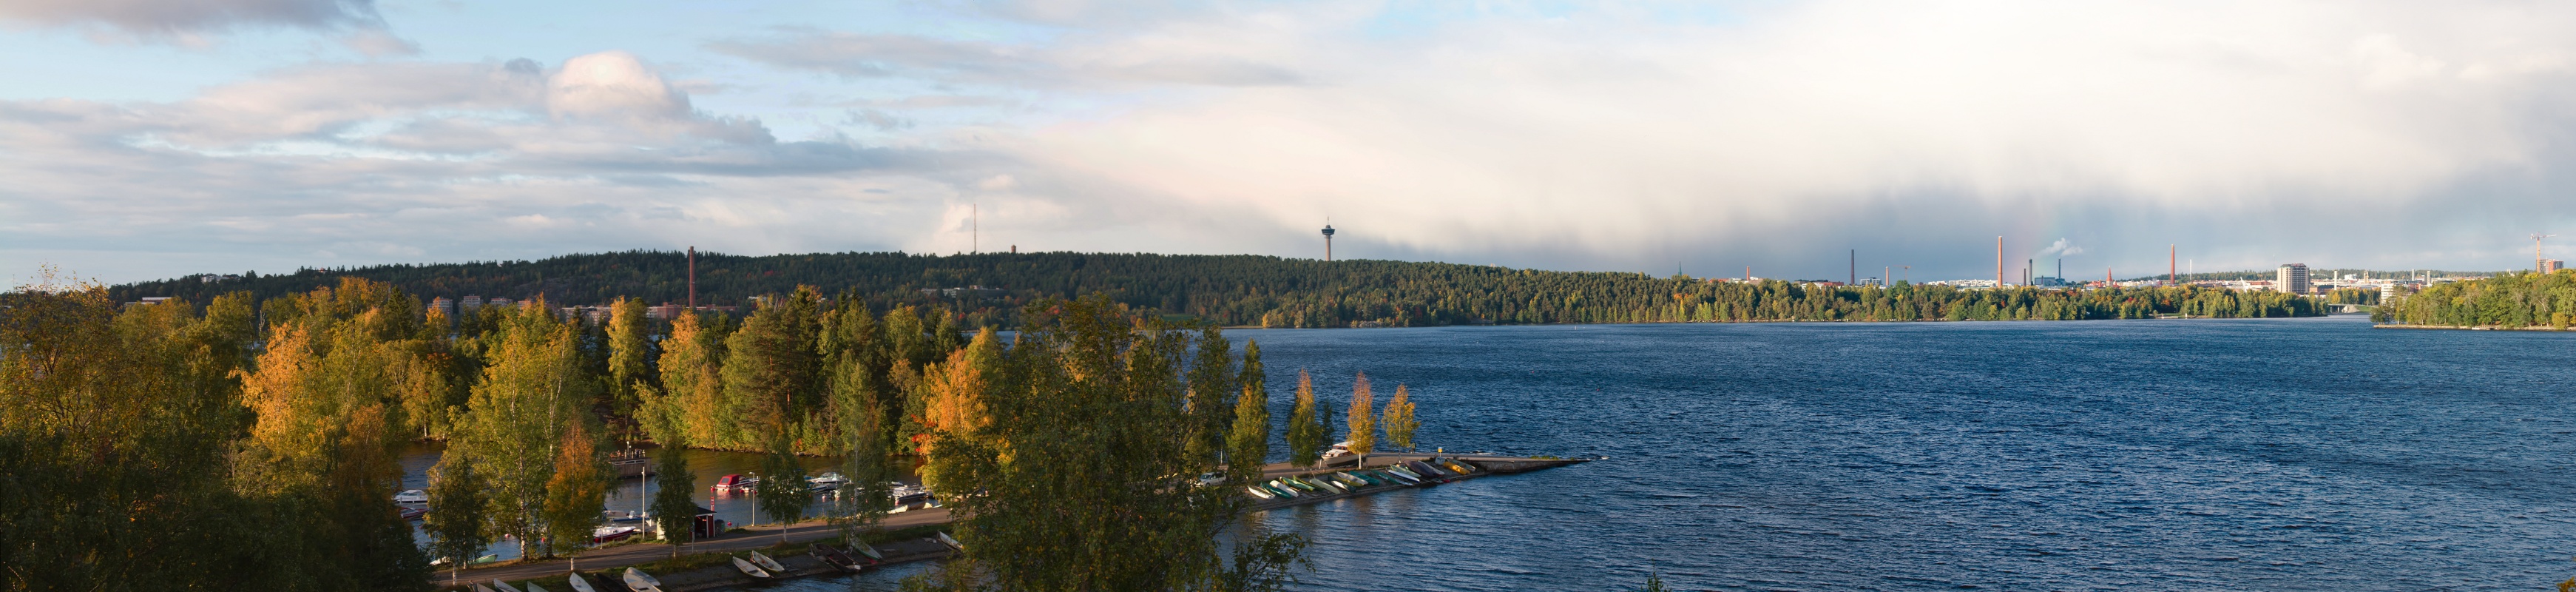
{"x": 1328, "y": 242}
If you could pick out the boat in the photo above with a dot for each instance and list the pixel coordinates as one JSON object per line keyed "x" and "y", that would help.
{"x": 533, "y": 587}
{"x": 1281, "y": 488}
{"x": 411, "y": 496}
{"x": 1257, "y": 492}
{"x": 749, "y": 569}
{"x": 502, "y": 586}
{"x": 409, "y": 514}
{"x": 1457, "y": 466}
{"x": 611, "y": 533}
{"x": 1425, "y": 469}
{"x": 486, "y": 558}
{"x": 1292, "y": 482}
{"x": 834, "y": 557}
{"x": 870, "y": 551}
{"x": 578, "y": 584}
{"x": 832, "y": 479}
{"x": 1339, "y": 449}
{"x": 768, "y": 564}
{"x": 951, "y": 542}
{"x": 482, "y": 588}
{"x": 900, "y": 508}
{"x": 735, "y": 483}
{"x": 621, "y": 515}
{"x": 1407, "y": 476}
{"x": 1352, "y": 480}
{"x": 639, "y": 581}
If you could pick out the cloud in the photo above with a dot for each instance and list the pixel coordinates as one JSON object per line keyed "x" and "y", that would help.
{"x": 340, "y": 164}
{"x": 162, "y": 19}
{"x": 1776, "y": 135}
{"x": 1123, "y": 63}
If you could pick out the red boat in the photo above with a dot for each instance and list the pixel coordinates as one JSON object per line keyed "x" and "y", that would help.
{"x": 414, "y": 513}
{"x": 736, "y": 483}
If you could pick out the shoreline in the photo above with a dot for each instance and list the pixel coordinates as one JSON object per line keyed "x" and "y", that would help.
{"x": 2471, "y": 327}
{"x": 610, "y": 561}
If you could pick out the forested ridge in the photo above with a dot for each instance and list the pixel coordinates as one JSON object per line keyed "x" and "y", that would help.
{"x": 1237, "y": 290}
{"x": 2506, "y": 300}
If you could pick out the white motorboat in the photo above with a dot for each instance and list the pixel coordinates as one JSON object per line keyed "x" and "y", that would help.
{"x": 769, "y": 564}
{"x": 411, "y": 496}
{"x": 749, "y": 569}
{"x": 639, "y": 581}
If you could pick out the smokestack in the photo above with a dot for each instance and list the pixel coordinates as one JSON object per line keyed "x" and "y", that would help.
{"x": 693, "y": 277}
{"x": 1999, "y": 262}
{"x": 2170, "y": 277}
{"x": 1855, "y": 268}
{"x": 2061, "y": 271}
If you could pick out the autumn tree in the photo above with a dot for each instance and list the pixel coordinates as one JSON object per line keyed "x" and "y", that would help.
{"x": 1399, "y": 422}
{"x": 533, "y": 391}
{"x": 577, "y": 490}
{"x": 1306, "y": 425}
{"x": 1082, "y": 480}
{"x": 1248, "y": 447}
{"x": 457, "y": 529}
{"x": 630, "y": 350}
{"x": 1362, "y": 420}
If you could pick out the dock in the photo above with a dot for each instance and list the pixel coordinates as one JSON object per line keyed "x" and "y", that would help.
{"x": 1484, "y": 465}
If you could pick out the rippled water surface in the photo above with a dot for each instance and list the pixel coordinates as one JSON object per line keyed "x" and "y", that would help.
{"x": 2306, "y": 454}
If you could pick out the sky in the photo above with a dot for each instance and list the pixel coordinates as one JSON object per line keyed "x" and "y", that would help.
{"x": 145, "y": 139}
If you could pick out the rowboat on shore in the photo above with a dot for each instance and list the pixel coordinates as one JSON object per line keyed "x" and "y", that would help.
{"x": 749, "y": 569}
{"x": 769, "y": 564}
{"x": 639, "y": 581}
{"x": 951, "y": 542}
{"x": 502, "y": 586}
{"x": 533, "y": 587}
{"x": 1258, "y": 492}
{"x": 869, "y": 550}
{"x": 578, "y": 584}
{"x": 834, "y": 557}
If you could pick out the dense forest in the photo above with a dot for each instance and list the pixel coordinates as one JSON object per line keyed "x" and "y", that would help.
{"x": 2509, "y": 300}
{"x": 253, "y": 442}
{"x": 1235, "y": 290}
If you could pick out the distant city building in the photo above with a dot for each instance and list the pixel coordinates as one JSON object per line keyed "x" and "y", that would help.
{"x": 471, "y": 303}
{"x": 2293, "y": 278}
{"x": 2551, "y": 265}
{"x": 2387, "y": 293}
{"x": 664, "y": 312}
{"x": 499, "y": 302}
{"x": 443, "y": 306}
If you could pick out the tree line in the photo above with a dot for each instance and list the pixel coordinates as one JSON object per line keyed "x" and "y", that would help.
{"x": 1242, "y": 290}
{"x": 2506, "y": 300}
{"x": 188, "y": 446}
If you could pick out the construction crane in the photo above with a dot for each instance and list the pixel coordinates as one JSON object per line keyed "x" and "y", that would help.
{"x": 2536, "y": 257}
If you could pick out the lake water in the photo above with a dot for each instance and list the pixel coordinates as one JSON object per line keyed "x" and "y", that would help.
{"x": 2282, "y": 454}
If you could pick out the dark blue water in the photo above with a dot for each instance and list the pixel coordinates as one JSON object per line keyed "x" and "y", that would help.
{"x": 2291, "y": 454}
